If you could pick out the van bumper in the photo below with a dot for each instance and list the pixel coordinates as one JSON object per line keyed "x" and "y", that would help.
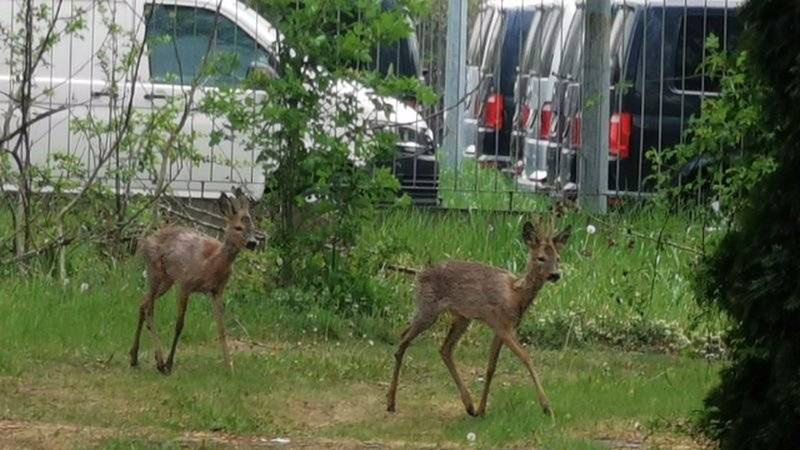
{"x": 493, "y": 146}
{"x": 469, "y": 132}
{"x": 419, "y": 177}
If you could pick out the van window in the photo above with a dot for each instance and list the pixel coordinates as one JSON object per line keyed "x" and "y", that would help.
{"x": 538, "y": 52}
{"x": 490, "y": 46}
{"x": 621, "y": 31}
{"x": 552, "y": 32}
{"x": 508, "y": 48}
{"x": 570, "y": 66}
{"x": 694, "y": 29}
{"x": 478, "y": 39}
{"x": 178, "y": 38}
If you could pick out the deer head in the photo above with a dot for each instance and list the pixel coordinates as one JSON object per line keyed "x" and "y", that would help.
{"x": 239, "y": 229}
{"x": 543, "y": 250}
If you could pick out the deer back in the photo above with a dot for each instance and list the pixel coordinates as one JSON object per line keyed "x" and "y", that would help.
{"x": 470, "y": 289}
{"x": 183, "y": 255}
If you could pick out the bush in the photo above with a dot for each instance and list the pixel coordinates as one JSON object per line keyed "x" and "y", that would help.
{"x": 753, "y": 276}
{"x": 729, "y": 148}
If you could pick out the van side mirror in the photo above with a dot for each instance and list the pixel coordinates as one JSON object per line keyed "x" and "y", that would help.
{"x": 261, "y": 70}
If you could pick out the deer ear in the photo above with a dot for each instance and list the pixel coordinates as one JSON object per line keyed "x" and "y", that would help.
{"x": 225, "y": 205}
{"x": 244, "y": 201}
{"x": 529, "y": 233}
{"x": 561, "y": 238}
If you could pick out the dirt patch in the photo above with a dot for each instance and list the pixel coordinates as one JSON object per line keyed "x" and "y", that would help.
{"x": 359, "y": 404}
{"x": 29, "y": 435}
{"x": 635, "y": 440}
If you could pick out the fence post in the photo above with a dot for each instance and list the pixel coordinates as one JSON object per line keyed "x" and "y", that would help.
{"x": 593, "y": 156}
{"x": 455, "y": 81}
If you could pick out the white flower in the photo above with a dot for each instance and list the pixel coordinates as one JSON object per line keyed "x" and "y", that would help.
{"x": 590, "y": 229}
{"x": 311, "y": 198}
{"x": 471, "y": 437}
{"x": 84, "y": 287}
{"x": 371, "y": 343}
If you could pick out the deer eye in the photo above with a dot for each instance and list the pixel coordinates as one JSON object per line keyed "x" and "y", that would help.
{"x": 238, "y": 228}
{"x": 542, "y": 259}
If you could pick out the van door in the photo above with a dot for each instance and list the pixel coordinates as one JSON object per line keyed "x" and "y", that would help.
{"x": 71, "y": 88}
{"x": 185, "y": 41}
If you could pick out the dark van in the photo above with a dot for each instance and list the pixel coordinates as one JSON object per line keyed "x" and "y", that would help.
{"x": 494, "y": 103}
{"x": 657, "y": 79}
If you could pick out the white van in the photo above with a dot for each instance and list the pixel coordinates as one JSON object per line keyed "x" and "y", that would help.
{"x": 73, "y": 78}
{"x": 543, "y": 55}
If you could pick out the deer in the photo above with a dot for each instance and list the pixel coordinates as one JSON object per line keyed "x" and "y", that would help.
{"x": 498, "y": 298}
{"x": 197, "y": 263}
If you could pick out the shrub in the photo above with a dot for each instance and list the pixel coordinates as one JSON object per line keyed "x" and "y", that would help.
{"x": 753, "y": 276}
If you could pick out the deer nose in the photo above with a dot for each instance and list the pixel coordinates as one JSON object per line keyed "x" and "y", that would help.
{"x": 554, "y": 277}
{"x": 251, "y": 244}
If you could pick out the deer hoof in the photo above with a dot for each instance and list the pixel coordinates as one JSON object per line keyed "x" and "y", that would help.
{"x": 165, "y": 369}
{"x": 548, "y": 411}
{"x": 390, "y": 408}
{"x": 471, "y": 411}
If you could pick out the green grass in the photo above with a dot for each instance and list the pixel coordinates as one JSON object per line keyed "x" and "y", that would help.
{"x": 65, "y": 362}
{"x": 487, "y": 189}
{"x": 320, "y": 377}
{"x": 608, "y": 274}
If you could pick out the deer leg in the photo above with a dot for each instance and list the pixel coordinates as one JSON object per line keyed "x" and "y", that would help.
{"x": 457, "y": 329}
{"x": 420, "y": 323}
{"x": 494, "y": 353}
{"x": 149, "y": 307}
{"x": 142, "y": 313}
{"x": 183, "y": 301}
{"x": 510, "y": 340}
{"x": 219, "y": 312}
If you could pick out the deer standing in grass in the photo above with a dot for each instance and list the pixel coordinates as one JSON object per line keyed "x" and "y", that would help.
{"x": 496, "y": 297}
{"x": 197, "y": 263}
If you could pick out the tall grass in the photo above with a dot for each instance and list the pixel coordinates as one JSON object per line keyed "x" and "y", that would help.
{"x": 470, "y": 186}
{"x": 626, "y": 284}
{"x": 604, "y": 272}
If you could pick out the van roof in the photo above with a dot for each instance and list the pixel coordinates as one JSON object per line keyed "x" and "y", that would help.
{"x": 711, "y": 4}
{"x": 517, "y": 4}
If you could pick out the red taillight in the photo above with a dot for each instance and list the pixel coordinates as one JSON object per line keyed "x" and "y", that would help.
{"x": 619, "y": 135}
{"x": 575, "y": 131}
{"x": 493, "y": 113}
{"x": 545, "y": 120}
{"x": 524, "y": 115}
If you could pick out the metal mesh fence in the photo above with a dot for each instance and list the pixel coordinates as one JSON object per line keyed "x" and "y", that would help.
{"x": 522, "y": 102}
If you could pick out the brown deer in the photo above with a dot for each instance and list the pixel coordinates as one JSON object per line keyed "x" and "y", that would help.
{"x": 197, "y": 263}
{"x": 496, "y": 297}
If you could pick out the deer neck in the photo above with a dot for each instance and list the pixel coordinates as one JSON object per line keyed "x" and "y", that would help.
{"x": 226, "y": 255}
{"x": 528, "y": 285}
